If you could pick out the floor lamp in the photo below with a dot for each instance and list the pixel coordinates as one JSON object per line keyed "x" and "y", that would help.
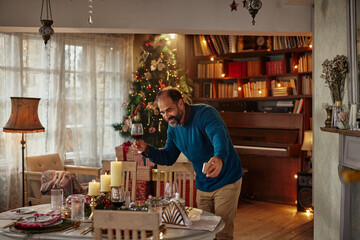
{"x": 24, "y": 119}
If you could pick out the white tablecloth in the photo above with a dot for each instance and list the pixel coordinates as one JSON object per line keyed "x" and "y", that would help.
{"x": 204, "y": 218}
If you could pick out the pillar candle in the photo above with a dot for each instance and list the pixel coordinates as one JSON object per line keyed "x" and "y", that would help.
{"x": 116, "y": 173}
{"x": 94, "y": 188}
{"x": 105, "y": 183}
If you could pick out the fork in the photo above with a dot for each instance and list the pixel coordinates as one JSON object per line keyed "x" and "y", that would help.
{"x": 87, "y": 230}
{"x": 72, "y": 228}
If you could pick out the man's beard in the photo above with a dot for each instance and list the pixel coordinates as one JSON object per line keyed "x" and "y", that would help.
{"x": 177, "y": 119}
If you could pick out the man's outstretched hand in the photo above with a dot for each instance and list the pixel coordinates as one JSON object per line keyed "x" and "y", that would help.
{"x": 139, "y": 145}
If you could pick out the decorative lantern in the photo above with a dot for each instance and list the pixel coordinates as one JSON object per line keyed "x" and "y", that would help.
{"x": 253, "y": 6}
{"x": 46, "y": 30}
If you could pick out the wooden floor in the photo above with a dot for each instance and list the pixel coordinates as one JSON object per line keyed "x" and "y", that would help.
{"x": 268, "y": 221}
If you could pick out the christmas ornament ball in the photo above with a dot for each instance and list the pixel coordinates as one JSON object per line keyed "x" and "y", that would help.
{"x": 152, "y": 130}
{"x": 137, "y": 118}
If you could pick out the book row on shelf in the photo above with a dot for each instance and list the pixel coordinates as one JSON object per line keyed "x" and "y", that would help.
{"x": 244, "y": 69}
{"x": 253, "y": 68}
{"x": 252, "y": 89}
{"x": 305, "y": 63}
{"x": 210, "y": 70}
{"x": 207, "y": 45}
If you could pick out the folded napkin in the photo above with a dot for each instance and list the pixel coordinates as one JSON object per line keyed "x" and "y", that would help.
{"x": 27, "y": 224}
{"x": 200, "y": 222}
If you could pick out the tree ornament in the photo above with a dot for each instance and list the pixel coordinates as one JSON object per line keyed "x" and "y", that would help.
{"x": 148, "y": 43}
{"x": 161, "y": 84}
{"x": 152, "y": 130}
{"x": 161, "y": 66}
{"x": 125, "y": 128}
{"x": 233, "y": 6}
{"x": 131, "y": 91}
{"x": 137, "y": 76}
{"x": 147, "y": 75}
{"x": 154, "y": 64}
{"x": 148, "y": 86}
{"x": 137, "y": 118}
{"x": 173, "y": 67}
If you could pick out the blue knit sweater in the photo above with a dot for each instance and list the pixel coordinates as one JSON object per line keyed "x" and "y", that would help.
{"x": 202, "y": 137}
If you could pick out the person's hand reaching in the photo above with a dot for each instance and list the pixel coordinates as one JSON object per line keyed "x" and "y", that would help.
{"x": 139, "y": 145}
{"x": 216, "y": 165}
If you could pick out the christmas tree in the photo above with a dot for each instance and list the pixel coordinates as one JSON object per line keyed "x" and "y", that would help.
{"x": 157, "y": 70}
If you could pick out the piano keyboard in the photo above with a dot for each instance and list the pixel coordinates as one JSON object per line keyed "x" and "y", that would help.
{"x": 261, "y": 148}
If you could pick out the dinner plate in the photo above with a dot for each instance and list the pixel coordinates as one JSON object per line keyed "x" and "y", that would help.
{"x": 38, "y": 219}
{"x": 23, "y": 211}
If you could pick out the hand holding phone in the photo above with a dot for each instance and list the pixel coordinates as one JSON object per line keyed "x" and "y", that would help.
{"x": 206, "y": 165}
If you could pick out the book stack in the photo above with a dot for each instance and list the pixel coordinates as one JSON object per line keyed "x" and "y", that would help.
{"x": 281, "y": 91}
{"x": 298, "y": 105}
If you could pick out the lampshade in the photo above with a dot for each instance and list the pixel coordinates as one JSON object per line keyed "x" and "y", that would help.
{"x": 24, "y": 116}
{"x": 308, "y": 141}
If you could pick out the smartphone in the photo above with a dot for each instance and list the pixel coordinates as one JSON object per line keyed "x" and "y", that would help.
{"x": 206, "y": 165}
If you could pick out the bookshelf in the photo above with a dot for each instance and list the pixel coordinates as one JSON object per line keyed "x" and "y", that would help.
{"x": 260, "y": 93}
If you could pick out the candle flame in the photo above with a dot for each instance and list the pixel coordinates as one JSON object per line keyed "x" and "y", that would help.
{"x": 105, "y": 173}
{"x": 116, "y": 159}
{"x": 93, "y": 180}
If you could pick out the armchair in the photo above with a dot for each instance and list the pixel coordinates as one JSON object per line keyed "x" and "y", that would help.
{"x": 35, "y": 165}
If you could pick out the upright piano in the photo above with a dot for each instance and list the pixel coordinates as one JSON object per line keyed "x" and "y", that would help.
{"x": 269, "y": 147}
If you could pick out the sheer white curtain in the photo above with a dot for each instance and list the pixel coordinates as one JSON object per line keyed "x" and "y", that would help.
{"x": 82, "y": 81}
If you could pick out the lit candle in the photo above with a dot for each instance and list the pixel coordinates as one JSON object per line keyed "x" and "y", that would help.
{"x": 105, "y": 183}
{"x": 94, "y": 188}
{"x": 116, "y": 173}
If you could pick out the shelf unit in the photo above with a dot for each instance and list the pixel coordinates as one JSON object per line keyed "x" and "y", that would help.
{"x": 251, "y": 123}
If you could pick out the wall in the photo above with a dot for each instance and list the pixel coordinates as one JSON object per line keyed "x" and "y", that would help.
{"x": 330, "y": 39}
{"x": 158, "y": 16}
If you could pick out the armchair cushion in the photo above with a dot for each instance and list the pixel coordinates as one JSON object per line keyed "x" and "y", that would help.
{"x": 44, "y": 162}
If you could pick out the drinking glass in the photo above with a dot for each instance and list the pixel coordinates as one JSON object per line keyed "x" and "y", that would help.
{"x": 170, "y": 190}
{"x": 127, "y": 197}
{"x": 56, "y": 199}
{"x": 137, "y": 131}
{"x": 78, "y": 207}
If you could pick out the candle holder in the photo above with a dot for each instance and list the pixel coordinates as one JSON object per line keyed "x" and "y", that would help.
{"x": 106, "y": 194}
{"x": 117, "y": 196}
{"x": 93, "y": 204}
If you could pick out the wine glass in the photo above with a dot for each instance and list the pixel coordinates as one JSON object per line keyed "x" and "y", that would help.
{"x": 137, "y": 131}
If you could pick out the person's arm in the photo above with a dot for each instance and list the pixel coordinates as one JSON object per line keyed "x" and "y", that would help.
{"x": 216, "y": 131}
{"x": 166, "y": 156}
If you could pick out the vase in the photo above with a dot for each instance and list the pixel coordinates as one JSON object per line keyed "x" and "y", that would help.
{"x": 328, "y": 117}
{"x": 336, "y": 109}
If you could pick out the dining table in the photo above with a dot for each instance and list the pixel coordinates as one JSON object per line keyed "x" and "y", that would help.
{"x": 205, "y": 226}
